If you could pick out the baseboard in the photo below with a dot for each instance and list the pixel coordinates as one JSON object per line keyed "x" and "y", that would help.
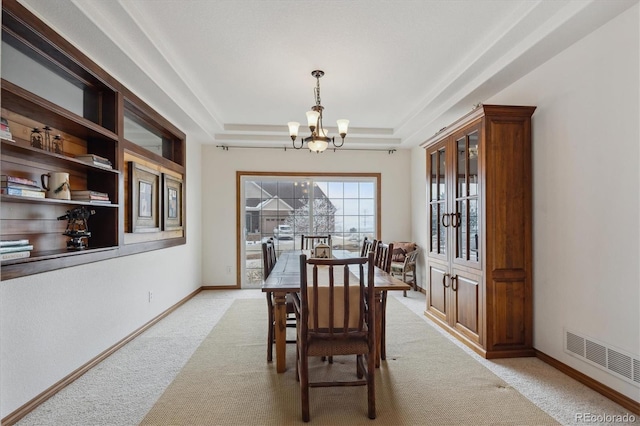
{"x": 57, "y": 387}
{"x": 612, "y": 394}
{"x": 220, "y": 287}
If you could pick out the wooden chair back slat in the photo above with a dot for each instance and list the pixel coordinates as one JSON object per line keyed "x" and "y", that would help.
{"x": 367, "y": 246}
{"x": 384, "y": 254}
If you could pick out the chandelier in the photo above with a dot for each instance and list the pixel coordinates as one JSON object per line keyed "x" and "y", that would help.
{"x": 319, "y": 140}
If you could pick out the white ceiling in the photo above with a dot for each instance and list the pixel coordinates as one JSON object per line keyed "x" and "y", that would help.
{"x": 235, "y": 72}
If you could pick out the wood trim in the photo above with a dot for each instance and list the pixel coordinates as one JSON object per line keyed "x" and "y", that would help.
{"x": 238, "y": 230}
{"x": 613, "y": 395}
{"x": 12, "y": 418}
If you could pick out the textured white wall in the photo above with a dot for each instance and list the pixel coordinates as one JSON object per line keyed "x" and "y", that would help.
{"x": 586, "y": 141}
{"x": 53, "y": 323}
{"x": 219, "y": 194}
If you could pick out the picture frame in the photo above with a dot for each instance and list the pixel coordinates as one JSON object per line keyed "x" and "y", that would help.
{"x": 172, "y": 202}
{"x": 144, "y": 198}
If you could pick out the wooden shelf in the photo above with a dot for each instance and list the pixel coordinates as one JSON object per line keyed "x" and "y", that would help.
{"x": 54, "y": 254}
{"x": 35, "y": 200}
{"x": 25, "y": 103}
{"x": 21, "y": 149}
{"x": 54, "y": 259}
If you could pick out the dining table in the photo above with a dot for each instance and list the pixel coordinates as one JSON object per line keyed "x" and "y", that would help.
{"x": 285, "y": 278}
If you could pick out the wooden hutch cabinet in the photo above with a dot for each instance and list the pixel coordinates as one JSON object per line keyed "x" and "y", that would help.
{"x": 479, "y": 204}
{"x": 49, "y": 85}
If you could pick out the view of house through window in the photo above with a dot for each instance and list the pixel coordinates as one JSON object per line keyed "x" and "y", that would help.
{"x": 286, "y": 207}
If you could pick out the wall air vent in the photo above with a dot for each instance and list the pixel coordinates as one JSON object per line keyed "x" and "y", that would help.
{"x": 619, "y": 363}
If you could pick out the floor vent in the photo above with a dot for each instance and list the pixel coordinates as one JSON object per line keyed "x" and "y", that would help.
{"x": 619, "y": 363}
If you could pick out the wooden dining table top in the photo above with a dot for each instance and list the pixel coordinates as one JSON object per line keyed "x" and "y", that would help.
{"x": 285, "y": 276}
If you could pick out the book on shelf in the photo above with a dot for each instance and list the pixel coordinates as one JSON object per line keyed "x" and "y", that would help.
{"x": 89, "y": 192}
{"x": 12, "y": 243}
{"x": 21, "y": 192}
{"x": 15, "y": 255}
{"x": 92, "y": 199}
{"x": 90, "y": 195}
{"x": 93, "y": 158}
{"x": 17, "y": 179}
{"x": 5, "y": 133}
{"x": 20, "y": 186}
{"x": 99, "y": 164}
{"x": 26, "y": 247}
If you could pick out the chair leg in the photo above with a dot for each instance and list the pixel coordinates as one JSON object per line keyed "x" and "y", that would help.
{"x": 404, "y": 278}
{"x": 371, "y": 386}
{"x": 383, "y": 323}
{"x": 297, "y": 358}
{"x": 270, "y": 332}
{"x": 304, "y": 386}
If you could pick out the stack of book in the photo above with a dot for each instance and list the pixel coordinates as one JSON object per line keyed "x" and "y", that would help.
{"x": 95, "y": 160}
{"x": 90, "y": 196}
{"x": 5, "y": 133}
{"x": 15, "y": 249}
{"x": 21, "y": 187}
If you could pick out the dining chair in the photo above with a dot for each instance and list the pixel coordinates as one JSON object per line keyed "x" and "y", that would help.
{"x": 336, "y": 316}
{"x": 384, "y": 254}
{"x": 404, "y": 263}
{"x": 308, "y": 242}
{"x": 367, "y": 246}
{"x": 269, "y": 259}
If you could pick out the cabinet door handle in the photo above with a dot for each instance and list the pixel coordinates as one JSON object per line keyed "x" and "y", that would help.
{"x": 455, "y": 223}
{"x": 444, "y": 280}
{"x": 454, "y": 282}
{"x": 446, "y": 225}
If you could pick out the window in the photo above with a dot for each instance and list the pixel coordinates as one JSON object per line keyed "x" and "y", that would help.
{"x": 285, "y": 206}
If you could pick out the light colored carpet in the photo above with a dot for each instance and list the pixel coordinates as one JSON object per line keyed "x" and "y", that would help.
{"x": 426, "y": 379}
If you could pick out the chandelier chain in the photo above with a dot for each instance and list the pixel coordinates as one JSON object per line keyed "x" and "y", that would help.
{"x": 317, "y": 91}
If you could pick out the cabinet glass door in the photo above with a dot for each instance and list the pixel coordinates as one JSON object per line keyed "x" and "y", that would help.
{"x": 466, "y": 220}
{"x": 438, "y": 217}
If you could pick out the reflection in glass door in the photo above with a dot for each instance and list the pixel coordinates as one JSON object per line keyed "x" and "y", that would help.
{"x": 466, "y": 220}
{"x": 438, "y": 217}
{"x": 286, "y": 207}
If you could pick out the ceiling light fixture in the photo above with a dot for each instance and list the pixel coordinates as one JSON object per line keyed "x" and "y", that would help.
{"x": 319, "y": 139}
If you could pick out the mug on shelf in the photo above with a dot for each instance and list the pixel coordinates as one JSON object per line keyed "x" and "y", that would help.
{"x": 57, "y": 185}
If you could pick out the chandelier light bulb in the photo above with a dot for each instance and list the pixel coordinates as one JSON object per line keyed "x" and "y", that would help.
{"x": 312, "y": 119}
{"x": 343, "y": 127}
{"x": 293, "y": 129}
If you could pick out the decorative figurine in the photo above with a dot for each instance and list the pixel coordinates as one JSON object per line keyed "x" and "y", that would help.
{"x": 77, "y": 227}
{"x": 36, "y": 138}
{"x": 57, "y": 144}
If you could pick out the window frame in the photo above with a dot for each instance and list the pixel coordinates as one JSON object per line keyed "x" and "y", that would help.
{"x": 242, "y": 176}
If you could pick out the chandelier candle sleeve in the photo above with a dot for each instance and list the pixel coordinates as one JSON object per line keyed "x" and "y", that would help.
{"x": 319, "y": 140}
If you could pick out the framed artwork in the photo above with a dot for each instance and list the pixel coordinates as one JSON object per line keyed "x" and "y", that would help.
{"x": 172, "y": 202}
{"x": 144, "y": 198}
